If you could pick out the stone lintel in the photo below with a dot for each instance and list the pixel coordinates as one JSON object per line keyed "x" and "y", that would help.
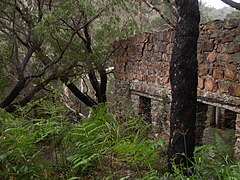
{"x": 207, "y": 101}
{"x": 153, "y": 97}
{"x": 219, "y": 104}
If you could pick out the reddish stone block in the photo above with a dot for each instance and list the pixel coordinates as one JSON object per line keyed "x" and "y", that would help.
{"x": 220, "y": 48}
{"x": 166, "y": 79}
{"x": 200, "y": 83}
{"x": 163, "y": 47}
{"x": 142, "y": 70}
{"x": 206, "y": 46}
{"x": 145, "y": 78}
{"x": 230, "y": 23}
{"x": 228, "y": 38}
{"x": 232, "y": 48}
{"x": 203, "y": 37}
{"x": 223, "y": 86}
{"x": 234, "y": 89}
{"x": 124, "y": 59}
{"x": 226, "y": 58}
{"x": 149, "y": 46}
{"x": 230, "y": 72}
{"x": 139, "y": 77}
{"x": 202, "y": 56}
{"x": 143, "y": 87}
{"x": 203, "y": 69}
{"x": 217, "y": 74}
{"x": 212, "y": 57}
{"x": 138, "y": 57}
{"x": 210, "y": 72}
{"x": 210, "y": 85}
{"x": 152, "y": 78}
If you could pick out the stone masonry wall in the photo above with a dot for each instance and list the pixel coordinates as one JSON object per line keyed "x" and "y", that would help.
{"x": 142, "y": 63}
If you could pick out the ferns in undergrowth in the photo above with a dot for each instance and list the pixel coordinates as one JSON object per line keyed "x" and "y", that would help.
{"x": 91, "y": 138}
{"x": 29, "y": 141}
{"x": 19, "y": 153}
{"x": 40, "y": 142}
{"x": 103, "y": 136}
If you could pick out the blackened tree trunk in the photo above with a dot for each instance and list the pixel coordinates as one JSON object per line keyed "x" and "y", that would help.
{"x": 87, "y": 100}
{"x": 183, "y": 78}
{"x": 14, "y": 93}
{"x": 13, "y": 106}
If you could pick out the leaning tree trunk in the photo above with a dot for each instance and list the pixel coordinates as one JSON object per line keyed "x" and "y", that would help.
{"x": 183, "y": 78}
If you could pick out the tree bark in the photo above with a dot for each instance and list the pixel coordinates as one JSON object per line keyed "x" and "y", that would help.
{"x": 12, "y": 107}
{"x": 232, "y": 4}
{"x": 103, "y": 86}
{"x": 183, "y": 78}
{"x": 82, "y": 97}
{"x": 99, "y": 87}
{"x": 14, "y": 93}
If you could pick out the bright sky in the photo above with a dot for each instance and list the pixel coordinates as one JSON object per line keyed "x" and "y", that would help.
{"x": 218, "y": 4}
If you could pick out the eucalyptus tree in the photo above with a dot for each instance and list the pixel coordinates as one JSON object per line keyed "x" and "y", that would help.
{"x": 183, "y": 79}
{"x": 46, "y": 40}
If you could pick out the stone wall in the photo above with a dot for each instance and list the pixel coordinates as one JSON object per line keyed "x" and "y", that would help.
{"x": 142, "y": 62}
{"x": 142, "y": 65}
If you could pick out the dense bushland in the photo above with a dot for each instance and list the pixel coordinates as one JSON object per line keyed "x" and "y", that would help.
{"x": 41, "y": 142}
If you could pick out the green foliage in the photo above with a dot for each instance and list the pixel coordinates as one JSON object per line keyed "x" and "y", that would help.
{"x": 24, "y": 139}
{"x": 136, "y": 152}
{"x": 208, "y": 165}
{"x": 39, "y": 142}
{"x": 108, "y": 27}
{"x": 5, "y": 54}
{"x": 17, "y": 149}
{"x": 91, "y": 138}
{"x": 221, "y": 139}
{"x": 233, "y": 14}
{"x": 210, "y": 13}
{"x": 101, "y": 136}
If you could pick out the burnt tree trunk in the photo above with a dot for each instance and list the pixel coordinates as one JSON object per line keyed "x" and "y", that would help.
{"x": 14, "y": 93}
{"x": 183, "y": 78}
{"x": 87, "y": 100}
{"x": 100, "y": 87}
{"x": 12, "y": 107}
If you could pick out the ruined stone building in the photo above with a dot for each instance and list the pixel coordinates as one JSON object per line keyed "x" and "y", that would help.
{"x": 142, "y": 77}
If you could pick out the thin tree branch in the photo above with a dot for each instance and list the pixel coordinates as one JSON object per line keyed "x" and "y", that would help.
{"x": 27, "y": 57}
{"x": 50, "y": 5}
{"x": 159, "y": 12}
{"x": 74, "y": 30}
{"x": 30, "y": 96}
{"x": 47, "y": 66}
{"x": 232, "y": 4}
{"x": 172, "y": 8}
{"x": 40, "y": 6}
